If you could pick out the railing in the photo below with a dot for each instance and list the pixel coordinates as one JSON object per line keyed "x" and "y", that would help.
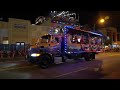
{"x": 11, "y": 51}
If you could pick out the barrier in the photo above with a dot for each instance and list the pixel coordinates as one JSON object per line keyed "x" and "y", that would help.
{"x": 12, "y": 50}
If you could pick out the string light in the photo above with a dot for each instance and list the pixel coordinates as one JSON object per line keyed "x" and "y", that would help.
{"x": 65, "y": 36}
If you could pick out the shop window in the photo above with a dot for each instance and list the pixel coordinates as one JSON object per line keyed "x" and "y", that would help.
{"x": 17, "y": 43}
{"x": 5, "y": 42}
{"x": 22, "y": 43}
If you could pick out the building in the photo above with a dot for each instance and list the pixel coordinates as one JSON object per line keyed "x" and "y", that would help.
{"x": 111, "y": 34}
{"x": 111, "y": 27}
{"x": 118, "y": 35}
{"x": 21, "y": 31}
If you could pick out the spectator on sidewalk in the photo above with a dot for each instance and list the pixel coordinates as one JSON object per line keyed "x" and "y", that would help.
{"x": 8, "y": 53}
{"x": 12, "y": 55}
{"x": 20, "y": 52}
{"x": 1, "y": 54}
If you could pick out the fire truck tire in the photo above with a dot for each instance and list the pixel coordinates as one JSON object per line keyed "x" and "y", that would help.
{"x": 44, "y": 61}
{"x": 88, "y": 56}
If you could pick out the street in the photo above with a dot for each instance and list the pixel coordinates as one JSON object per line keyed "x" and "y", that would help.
{"x": 106, "y": 66}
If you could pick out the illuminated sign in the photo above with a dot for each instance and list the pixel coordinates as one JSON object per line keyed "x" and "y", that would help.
{"x": 20, "y": 26}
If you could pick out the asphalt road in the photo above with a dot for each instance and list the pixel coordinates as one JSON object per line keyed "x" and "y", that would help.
{"x": 106, "y": 66}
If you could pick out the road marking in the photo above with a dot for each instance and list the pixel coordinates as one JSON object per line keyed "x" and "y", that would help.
{"x": 9, "y": 68}
{"x": 69, "y": 73}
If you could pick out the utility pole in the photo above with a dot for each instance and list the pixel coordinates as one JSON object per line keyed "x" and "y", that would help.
{"x": 94, "y": 27}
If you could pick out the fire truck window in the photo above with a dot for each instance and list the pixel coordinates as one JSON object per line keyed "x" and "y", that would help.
{"x": 45, "y": 39}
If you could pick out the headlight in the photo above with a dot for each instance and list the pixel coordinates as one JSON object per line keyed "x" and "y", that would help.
{"x": 35, "y": 55}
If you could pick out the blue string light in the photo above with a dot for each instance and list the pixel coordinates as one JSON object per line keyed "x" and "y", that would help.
{"x": 50, "y": 32}
{"x": 65, "y": 36}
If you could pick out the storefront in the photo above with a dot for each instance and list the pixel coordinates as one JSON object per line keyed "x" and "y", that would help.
{"x": 17, "y": 34}
{"x": 22, "y": 31}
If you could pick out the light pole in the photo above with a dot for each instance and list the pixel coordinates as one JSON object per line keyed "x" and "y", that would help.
{"x": 94, "y": 27}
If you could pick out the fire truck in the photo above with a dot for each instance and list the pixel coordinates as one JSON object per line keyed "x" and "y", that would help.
{"x": 71, "y": 43}
{"x": 67, "y": 41}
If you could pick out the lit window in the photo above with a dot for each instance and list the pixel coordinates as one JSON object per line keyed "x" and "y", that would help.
{"x": 17, "y": 43}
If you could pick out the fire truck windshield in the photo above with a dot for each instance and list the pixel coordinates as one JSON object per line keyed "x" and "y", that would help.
{"x": 45, "y": 39}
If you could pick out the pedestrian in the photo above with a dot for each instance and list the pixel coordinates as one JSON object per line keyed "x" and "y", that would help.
{"x": 1, "y": 54}
{"x": 8, "y": 54}
{"x": 20, "y": 53}
{"x": 12, "y": 54}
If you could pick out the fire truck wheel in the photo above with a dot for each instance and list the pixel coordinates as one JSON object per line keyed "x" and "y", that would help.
{"x": 88, "y": 56}
{"x": 44, "y": 61}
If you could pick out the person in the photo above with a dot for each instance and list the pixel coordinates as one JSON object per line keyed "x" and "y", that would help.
{"x": 69, "y": 38}
{"x": 79, "y": 39}
{"x": 12, "y": 54}
{"x": 8, "y": 54}
{"x": 99, "y": 41}
{"x": 1, "y": 54}
{"x": 20, "y": 52}
{"x": 82, "y": 40}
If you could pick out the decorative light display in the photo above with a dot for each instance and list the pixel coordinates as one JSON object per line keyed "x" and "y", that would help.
{"x": 64, "y": 16}
{"x": 50, "y": 32}
{"x": 40, "y": 20}
{"x": 96, "y": 33}
{"x": 56, "y": 30}
{"x": 79, "y": 40}
{"x": 65, "y": 21}
{"x": 65, "y": 38}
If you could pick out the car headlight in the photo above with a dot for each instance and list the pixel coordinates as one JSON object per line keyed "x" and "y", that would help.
{"x": 35, "y": 55}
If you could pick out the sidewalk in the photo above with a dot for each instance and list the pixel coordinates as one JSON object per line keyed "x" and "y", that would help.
{"x": 6, "y": 59}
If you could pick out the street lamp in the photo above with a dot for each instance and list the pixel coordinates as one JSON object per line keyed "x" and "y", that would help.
{"x": 100, "y": 21}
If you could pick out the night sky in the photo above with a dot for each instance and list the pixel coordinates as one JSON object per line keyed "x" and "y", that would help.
{"x": 86, "y": 17}
{"x": 88, "y": 10}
